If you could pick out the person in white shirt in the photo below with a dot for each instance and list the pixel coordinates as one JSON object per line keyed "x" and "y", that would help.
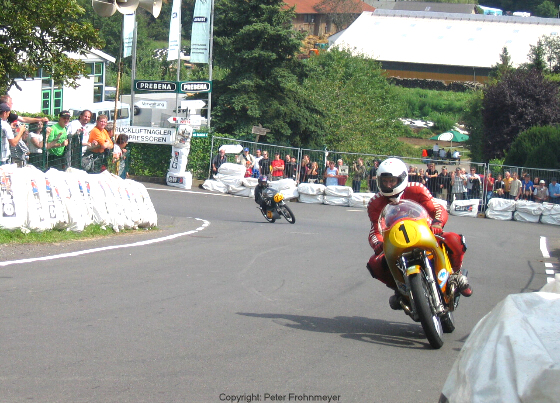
{"x": 256, "y": 168}
{"x": 7, "y": 134}
{"x": 78, "y": 135}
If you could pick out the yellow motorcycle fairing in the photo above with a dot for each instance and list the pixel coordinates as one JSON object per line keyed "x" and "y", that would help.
{"x": 408, "y": 234}
{"x": 278, "y": 197}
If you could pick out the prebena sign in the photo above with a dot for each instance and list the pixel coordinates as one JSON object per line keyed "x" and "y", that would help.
{"x": 181, "y": 87}
{"x": 195, "y": 86}
{"x": 155, "y": 86}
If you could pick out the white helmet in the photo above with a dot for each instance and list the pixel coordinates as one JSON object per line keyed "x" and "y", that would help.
{"x": 392, "y": 167}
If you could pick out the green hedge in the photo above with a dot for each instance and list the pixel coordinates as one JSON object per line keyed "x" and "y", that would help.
{"x": 153, "y": 159}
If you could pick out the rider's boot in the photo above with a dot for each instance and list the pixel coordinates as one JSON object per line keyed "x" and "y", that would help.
{"x": 462, "y": 282}
{"x": 395, "y": 301}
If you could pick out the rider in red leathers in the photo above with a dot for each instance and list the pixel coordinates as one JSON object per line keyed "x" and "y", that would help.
{"x": 392, "y": 181}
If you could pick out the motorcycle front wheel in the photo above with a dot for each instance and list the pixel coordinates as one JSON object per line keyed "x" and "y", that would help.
{"x": 287, "y": 213}
{"x": 265, "y": 215}
{"x": 431, "y": 323}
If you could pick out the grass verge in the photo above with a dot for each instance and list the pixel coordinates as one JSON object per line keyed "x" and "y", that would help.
{"x": 54, "y": 236}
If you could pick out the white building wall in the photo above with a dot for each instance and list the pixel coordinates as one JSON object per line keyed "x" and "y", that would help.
{"x": 73, "y": 98}
{"x": 29, "y": 98}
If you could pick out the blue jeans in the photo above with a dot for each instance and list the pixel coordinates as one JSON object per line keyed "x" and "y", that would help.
{"x": 356, "y": 185}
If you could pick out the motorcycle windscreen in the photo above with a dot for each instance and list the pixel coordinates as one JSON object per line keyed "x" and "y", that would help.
{"x": 392, "y": 213}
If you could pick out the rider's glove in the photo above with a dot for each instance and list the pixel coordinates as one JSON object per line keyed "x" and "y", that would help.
{"x": 436, "y": 227}
{"x": 378, "y": 248}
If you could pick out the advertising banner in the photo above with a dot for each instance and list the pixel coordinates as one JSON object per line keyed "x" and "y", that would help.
{"x": 200, "y": 38}
{"x": 128, "y": 33}
{"x": 174, "y": 51}
{"x": 147, "y": 135}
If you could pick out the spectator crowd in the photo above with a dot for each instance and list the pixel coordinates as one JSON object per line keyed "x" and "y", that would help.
{"x": 27, "y": 140}
{"x": 447, "y": 184}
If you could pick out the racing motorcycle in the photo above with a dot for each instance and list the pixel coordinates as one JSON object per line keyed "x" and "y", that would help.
{"x": 276, "y": 206}
{"x": 420, "y": 265}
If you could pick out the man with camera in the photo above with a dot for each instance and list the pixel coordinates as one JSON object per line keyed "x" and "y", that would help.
{"x": 359, "y": 174}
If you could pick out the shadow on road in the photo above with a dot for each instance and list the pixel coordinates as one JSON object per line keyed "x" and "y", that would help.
{"x": 395, "y": 334}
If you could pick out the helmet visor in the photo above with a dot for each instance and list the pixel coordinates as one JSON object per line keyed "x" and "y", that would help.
{"x": 388, "y": 182}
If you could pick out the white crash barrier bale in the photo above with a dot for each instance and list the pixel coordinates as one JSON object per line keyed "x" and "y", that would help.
{"x": 526, "y": 211}
{"x": 38, "y": 203}
{"x": 241, "y": 191}
{"x": 181, "y": 180}
{"x": 250, "y": 182}
{"x": 464, "y": 208}
{"x": 551, "y": 214}
{"x": 129, "y": 215}
{"x": 113, "y": 201}
{"x": 147, "y": 211}
{"x": 311, "y": 188}
{"x": 337, "y": 200}
{"x": 511, "y": 355}
{"x": 341, "y": 191}
{"x": 78, "y": 205}
{"x": 231, "y": 148}
{"x": 229, "y": 180}
{"x": 283, "y": 184}
{"x": 55, "y": 199}
{"x": 179, "y": 159}
{"x": 230, "y": 169}
{"x": 525, "y": 217}
{"x": 311, "y": 199}
{"x": 215, "y": 186}
{"x": 360, "y": 199}
{"x": 500, "y": 209}
{"x": 13, "y": 196}
{"x": 289, "y": 194}
{"x": 530, "y": 207}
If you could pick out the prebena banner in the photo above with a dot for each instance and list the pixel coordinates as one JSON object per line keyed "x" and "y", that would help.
{"x": 148, "y": 135}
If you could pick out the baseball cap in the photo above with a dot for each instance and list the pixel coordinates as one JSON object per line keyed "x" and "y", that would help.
{"x": 12, "y": 117}
{"x": 542, "y": 181}
{"x": 64, "y": 114}
{"x": 443, "y": 167}
{"x": 4, "y": 108}
{"x": 245, "y": 149}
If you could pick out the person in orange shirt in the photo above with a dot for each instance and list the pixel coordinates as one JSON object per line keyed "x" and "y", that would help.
{"x": 95, "y": 159}
{"x": 99, "y": 137}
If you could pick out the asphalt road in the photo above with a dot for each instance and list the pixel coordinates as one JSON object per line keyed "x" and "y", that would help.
{"x": 227, "y": 307}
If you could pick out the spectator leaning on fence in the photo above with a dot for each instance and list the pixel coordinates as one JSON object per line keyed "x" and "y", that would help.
{"x": 19, "y": 152}
{"x": 7, "y": 134}
{"x": 541, "y": 192}
{"x": 218, "y": 160}
{"x": 256, "y": 160}
{"x": 458, "y": 184}
{"x": 277, "y": 167}
{"x": 264, "y": 165}
{"x": 554, "y": 191}
{"x": 331, "y": 175}
{"x": 515, "y": 187}
{"x": 527, "y": 188}
{"x": 359, "y": 174}
{"x": 507, "y": 184}
{"x": 58, "y": 140}
{"x": 444, "y": 183}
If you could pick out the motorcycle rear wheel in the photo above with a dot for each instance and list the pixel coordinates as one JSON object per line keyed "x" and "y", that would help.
{"x": 270, "y": 220}
{"x": 287, "y": 213}
{"x": 431, "y": 323}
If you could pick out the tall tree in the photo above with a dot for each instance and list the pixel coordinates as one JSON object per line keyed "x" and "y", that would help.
{"x": 254, "y": 42}
{"x": 521, "y": 100}
{"x": 503, "y": 66}
{"x": 39, "y": 34}
{"x": 361, "y": 109}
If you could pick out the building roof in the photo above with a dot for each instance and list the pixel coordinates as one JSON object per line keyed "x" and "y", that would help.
{"x": 445, "y": 39}
{"x": 308, "y": 6}
{"x": 423, "y": 6}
